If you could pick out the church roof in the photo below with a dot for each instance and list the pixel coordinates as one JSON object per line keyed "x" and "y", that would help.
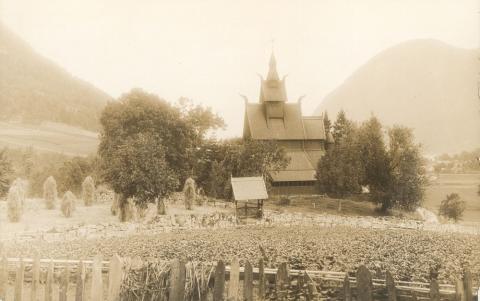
{"x": 300, "y": 168}
{"x": 292, "y": 127}
{"x": 314, "y": 127}
{"x": 288, "y": 128}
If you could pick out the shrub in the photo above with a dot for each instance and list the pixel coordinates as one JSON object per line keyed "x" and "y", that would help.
{"x": 88, "y": 191}
{"x": 452, "y": 207}
{"x": 189, "y": 193}
{"x": 68, "y": 204}
{"x": 50, "y": 192}
{"x": 284, "y": 201}
{"x": 15, "y": 201}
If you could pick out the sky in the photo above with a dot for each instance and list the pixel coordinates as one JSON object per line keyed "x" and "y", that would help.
{"x": 213, "y": 50}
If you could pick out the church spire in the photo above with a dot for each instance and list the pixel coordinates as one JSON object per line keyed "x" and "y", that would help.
{"x": 272, "y": 71}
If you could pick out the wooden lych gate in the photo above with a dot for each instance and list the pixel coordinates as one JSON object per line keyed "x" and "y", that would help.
{"x": 249, "y": 194}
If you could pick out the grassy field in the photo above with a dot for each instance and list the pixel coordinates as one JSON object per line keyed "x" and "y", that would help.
{"x": 316, "y": 204}
{"x": 466, "y": 185}
{"x": 51, "y": 137}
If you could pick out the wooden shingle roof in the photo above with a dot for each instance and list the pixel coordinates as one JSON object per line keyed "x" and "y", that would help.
{"x": 289, "y": 128}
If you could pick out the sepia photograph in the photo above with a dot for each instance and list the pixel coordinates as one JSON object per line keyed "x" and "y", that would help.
{"x": 220, "y": 150}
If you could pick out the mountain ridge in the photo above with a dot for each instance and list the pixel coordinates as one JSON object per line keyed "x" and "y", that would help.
{"x": 427, "y": 85}
{"x": 34, "y": 89}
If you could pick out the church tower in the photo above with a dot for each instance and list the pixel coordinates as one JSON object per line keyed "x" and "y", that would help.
{"x": 273, "y": 93}
{"x": 274, "y": 118}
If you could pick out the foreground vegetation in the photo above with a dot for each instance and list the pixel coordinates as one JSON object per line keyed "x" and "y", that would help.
{"x": 409, "y": 255}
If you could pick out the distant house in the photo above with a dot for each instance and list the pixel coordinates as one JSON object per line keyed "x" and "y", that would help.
{"x": 304, "y": 138}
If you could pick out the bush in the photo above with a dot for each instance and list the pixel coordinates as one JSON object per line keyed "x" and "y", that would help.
{"x": 15, "y": 201}
{"x": 189, "y": 193}
{"x": 68, "y": 204}
{"x": 284, "y": 201}
{"x": 452, "y": 207}
{"x": 50, "y": 192}
{"x": 88, "y": 191}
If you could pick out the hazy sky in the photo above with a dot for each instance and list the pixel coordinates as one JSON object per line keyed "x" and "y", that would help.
{"x": 210, "y": 51}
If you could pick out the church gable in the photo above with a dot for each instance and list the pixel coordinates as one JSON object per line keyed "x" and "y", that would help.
{"x": 289, "y": 127}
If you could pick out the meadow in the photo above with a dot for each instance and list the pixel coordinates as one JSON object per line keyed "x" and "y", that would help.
{"x": 466, "y": 185}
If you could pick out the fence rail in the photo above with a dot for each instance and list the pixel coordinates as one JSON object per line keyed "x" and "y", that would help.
{"x": 19, "y": 276}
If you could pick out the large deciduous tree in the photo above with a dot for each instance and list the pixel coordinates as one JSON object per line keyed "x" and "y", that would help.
{"x": 407, "y": 172}
{"x": 144, "y": 147}
{"x": 149, "y": 146}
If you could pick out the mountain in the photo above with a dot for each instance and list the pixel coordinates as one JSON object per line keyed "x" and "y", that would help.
{"x": 34, "y": 90}
{"x": 423, "y": 84}
{"x": 49, "y": 137}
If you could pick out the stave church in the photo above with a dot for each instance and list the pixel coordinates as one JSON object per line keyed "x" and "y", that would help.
{"x": 304, "y": 138}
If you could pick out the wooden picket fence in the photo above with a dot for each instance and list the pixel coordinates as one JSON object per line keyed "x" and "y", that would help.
{"x": 37, "y": 279}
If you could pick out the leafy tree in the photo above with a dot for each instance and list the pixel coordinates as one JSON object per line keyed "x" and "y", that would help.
{"x": 373, "y": 157}
{"x": 341, "y": 126}
{"x": 339, "y": 171}
{"x": 327, "y": 124}
{"x": 452, "y": 207}
{"x": 72, "y": 173}
{"x": 139, "y": 112}
{"x": 238, "y": 158}
{"x": 149, "y": 146}
{"x": 137, "y": 168}
{"x": 407, "y": 172}
{"x": 360, "y": 156}
{"x": 6, "y": 172}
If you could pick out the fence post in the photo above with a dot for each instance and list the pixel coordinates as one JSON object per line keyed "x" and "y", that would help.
{"x": 234, "y": 280}
{"x": 64, "y": 283}
{"x": 97, "y": 281}
{"x": 281, "y": 281}
{"x": 364, "y": 284}
{"x": 80, "y": 282}
{"x": 219, "y": 284}
{"x": 49, "y": 282}
{"x": 347, "y": 291}
{"x": 19, "y": 281}
{"x": 390, "y": 284}
{"x": 3, "y": 277}
{"x": 248, "y": 282}
{"x": 115, "y": 276}
{"x": 434, "y": 290}
{"x": 35, "y": 278}
{"x": 261, "y": 279}
{"x": 459, "y": 291}
{"x": 467, "y": 284}
{"x": 177, "y": 280}
{"x": 312, "y": 293}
